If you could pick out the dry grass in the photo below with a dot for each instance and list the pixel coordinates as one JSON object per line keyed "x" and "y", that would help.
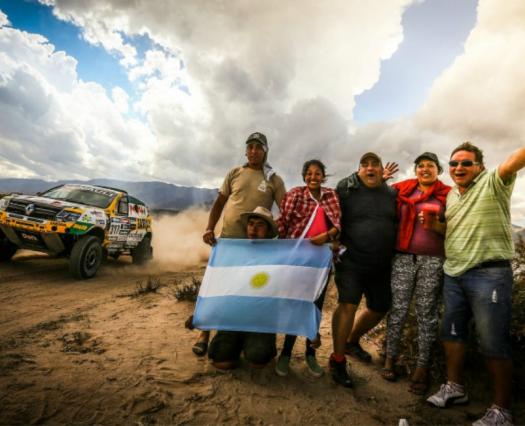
{"x": 188, "y": 292}
{"x": 152, "y": 285}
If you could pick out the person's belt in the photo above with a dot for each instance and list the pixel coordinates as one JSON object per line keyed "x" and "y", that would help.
{"x": 493, "y": 264}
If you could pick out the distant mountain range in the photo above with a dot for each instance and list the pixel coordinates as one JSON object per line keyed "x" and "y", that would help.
{"x": 157, "y": 195}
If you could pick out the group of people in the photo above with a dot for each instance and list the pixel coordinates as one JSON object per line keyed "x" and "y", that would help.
{"x": 390, "y": 243}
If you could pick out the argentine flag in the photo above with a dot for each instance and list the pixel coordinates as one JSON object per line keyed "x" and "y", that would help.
{"x": 266, "y": 286}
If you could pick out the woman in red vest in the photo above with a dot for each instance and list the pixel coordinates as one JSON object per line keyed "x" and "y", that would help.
{"x": 417, "y": 267}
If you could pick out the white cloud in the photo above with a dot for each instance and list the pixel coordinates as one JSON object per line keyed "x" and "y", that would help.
{"x": 121, "y": 99}
{"x": 248, "y": 66}
{"x": 481, "y": 97}
{"x": 56, "y": 126}
{"x": 3, "y": 19}
{"x": 218, "y": 71}
{"x": 158, "y": 63}
{"x": 106, "y": 33}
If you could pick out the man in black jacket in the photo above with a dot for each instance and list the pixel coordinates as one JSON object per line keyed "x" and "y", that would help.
{"x": 368, "y": 232}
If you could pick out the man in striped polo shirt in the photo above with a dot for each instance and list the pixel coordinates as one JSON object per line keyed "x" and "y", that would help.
{"x": 478, "y": 276}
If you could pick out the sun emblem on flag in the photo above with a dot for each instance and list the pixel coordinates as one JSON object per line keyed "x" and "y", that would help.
{"x": 259, "y": 280}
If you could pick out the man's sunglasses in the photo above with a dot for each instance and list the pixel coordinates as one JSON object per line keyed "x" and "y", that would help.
{"x": 464, "y": 163}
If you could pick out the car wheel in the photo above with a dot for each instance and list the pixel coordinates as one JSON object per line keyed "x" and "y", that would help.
{"x": 7, "y": 249}
{"x": 86, "y": 257}
{"x": 143, "y": 252}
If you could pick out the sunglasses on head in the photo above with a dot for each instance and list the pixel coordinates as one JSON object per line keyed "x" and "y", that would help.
{"x": 464, "y": 163}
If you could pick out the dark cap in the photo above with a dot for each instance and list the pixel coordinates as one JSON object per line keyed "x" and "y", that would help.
{"x": 257, "y": 137}
{"x": 370, "y": 155}
{"x": 429, "y": 156}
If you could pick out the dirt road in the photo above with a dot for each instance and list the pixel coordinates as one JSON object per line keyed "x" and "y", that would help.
{"x": 93, "y": 352}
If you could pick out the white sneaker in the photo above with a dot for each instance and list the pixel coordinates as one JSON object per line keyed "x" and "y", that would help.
{"x": 446, "y": 395}
{"x": 494, "y": 416}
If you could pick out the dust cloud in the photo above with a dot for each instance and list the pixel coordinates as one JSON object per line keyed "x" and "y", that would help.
{"x": 178, "y": 239}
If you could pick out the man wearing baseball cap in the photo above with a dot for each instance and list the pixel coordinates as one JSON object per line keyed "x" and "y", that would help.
{"x": 368, "y": 232}
{"x": 244, "y": 188}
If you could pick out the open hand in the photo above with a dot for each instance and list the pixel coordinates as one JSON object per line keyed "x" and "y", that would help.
{"x": 390, "y": 170}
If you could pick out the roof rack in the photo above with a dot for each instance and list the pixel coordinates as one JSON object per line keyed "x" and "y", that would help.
{"x": 109, "y": 187}
{"x": 87, "y": 184}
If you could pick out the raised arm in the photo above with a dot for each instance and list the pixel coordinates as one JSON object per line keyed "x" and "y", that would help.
{"x": 215, "y": 213}
{"x": 512, "y": 165}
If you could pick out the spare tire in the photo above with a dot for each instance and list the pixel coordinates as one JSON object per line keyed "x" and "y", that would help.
{"x": 86, "y": 257}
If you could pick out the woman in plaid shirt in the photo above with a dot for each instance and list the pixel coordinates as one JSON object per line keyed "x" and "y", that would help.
{"x": 312, "y": 212}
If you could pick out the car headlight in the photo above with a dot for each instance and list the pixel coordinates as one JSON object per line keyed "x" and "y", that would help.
{"x": 65, "y": 216}
{"x": 4, "y": 202}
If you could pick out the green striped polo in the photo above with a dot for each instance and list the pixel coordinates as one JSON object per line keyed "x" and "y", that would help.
{"x": 478, "y": 223}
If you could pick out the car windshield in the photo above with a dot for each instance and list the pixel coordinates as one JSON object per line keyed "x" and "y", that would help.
{"x": 97, "y": 197}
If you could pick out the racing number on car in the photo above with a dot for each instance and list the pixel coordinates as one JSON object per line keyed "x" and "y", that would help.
{"x": 114, "y": 229}
{"x": 119, "y": 230}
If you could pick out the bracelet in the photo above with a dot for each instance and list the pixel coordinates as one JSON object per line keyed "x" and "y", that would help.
{"x": 208, "y": 231}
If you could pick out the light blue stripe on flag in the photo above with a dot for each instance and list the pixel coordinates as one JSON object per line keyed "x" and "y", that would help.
{"x": 261, "y": 314}
{"x": 234, "y": 293}
{"x": 268, "y": 252}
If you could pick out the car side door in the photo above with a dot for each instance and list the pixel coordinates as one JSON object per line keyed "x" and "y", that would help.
{"x": 119, "y": 223}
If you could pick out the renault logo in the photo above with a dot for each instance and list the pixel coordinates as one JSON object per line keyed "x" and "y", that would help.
{"x": 30, "y": 208}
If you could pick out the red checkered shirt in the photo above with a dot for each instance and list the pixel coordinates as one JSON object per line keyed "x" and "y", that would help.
{"x": 298, "y": 206}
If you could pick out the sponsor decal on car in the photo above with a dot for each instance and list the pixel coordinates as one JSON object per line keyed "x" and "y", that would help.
{"x": 137, "y": 210}
{"x": 135, "y": 237}
{"x": 80, "y": 228}
{"x": 29, "y": 237}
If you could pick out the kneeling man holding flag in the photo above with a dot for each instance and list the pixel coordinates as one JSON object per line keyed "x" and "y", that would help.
{"x": 250, "y": 291}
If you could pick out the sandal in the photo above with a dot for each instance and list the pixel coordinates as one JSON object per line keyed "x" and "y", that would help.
{"x": 419, "y": 387}
{"x": 389, "y": 374}
{"x": 200, "y": 348}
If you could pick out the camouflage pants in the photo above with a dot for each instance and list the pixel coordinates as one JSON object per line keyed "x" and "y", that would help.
{"x": 420, "y": 276}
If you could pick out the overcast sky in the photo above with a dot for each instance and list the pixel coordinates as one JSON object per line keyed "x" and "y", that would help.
{"x": 166, "y": 90}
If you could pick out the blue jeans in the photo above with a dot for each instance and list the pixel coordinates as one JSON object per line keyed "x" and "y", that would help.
{"x": 484, "y": 293}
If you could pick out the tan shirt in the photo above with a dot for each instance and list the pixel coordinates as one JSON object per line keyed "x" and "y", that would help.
{"x": 246, "y": 189}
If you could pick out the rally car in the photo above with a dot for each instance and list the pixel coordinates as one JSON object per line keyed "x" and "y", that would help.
{"x": 84, "y": 222}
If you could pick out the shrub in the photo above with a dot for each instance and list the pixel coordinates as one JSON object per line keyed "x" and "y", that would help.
{"x": 151, "y": 286}
{"x": 188, "y": 292}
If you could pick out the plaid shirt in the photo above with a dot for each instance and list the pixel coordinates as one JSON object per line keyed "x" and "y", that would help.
{"x": 298, "y": 206}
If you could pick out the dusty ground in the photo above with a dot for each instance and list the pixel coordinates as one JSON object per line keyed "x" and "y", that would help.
{"x": 89, "y": 352}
